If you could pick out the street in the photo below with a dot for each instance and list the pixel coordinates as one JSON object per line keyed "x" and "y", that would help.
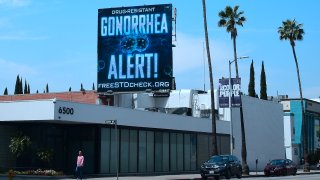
{"x": 314, "y": 176}
{"x": 298, "y": 177}
{"x": 195, "y": 177}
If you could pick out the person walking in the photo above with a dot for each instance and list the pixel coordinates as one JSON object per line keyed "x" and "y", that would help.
{"x": 80, "y": 163}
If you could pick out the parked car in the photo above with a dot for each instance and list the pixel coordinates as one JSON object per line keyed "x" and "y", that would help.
{"x": 280, "y": 167}
{"x": 221, "y": 165}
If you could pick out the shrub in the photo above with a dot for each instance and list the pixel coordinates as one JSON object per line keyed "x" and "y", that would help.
{"x": 19, "y": 144}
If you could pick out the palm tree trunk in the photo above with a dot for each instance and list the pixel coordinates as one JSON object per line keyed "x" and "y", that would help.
{"x": 245, "y": 167}
{"x": 235, "y": 56}
{"x": 306, "y": 167}
{"x": 214, "y": 131}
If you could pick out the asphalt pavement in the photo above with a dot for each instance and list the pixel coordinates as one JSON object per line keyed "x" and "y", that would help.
{"x": 188, "y": 176}
{"x": 160, "y": 177}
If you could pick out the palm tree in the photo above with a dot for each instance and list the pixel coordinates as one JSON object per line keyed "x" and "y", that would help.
{"x": 214, "y": 131}
{"x": 292, "y": 31}
{"x": 230, "y": 18}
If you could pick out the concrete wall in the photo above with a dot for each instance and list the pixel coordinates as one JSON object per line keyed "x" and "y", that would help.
{"x": 264, "y": 129}
{"x": 52, "y": 111}
{"x": 87, "y": 113}
{"x": 27, "y": 110}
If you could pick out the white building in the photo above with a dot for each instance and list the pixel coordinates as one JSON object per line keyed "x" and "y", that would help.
{"x": 153, "y": 138}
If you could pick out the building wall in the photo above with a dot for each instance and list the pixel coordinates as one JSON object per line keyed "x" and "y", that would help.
{"x": 311, "y": 117}
{"x": 7, "y": 159}
{"x": 263, "y": 122}
{"x": 27, "y": 110}
{"x": 149, "y": 142}
{"x": 144, "y": 151}
{"x": 292, "y": 151}
{"x": 90, "y": 97}
{"x": 297, "y": 111}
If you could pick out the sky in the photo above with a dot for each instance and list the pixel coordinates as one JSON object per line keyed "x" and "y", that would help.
{"x": 55, "y": 42}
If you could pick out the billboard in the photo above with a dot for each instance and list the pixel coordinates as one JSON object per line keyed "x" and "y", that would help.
{"x": 135, "y": 48}
{"x": 224, "y": 92}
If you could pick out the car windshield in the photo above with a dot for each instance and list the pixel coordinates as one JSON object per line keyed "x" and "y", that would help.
{"x": 218, "y": 159}
{"x": 277, "y": 162}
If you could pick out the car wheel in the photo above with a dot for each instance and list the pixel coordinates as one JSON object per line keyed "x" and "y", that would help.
{"x": 239, "y": 175}
{"x": 203, "y": 176}
{"x": 228, "y": 174}
{"x": 216, "y": 177}
{"x": 294, "y": 172}
{"x": 285, "y": 172}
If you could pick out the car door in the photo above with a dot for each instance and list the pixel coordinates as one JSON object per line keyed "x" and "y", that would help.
{"x": 233, "y": 165}
{"x": 289, "y": 166}
{"x": 237, "y": 165}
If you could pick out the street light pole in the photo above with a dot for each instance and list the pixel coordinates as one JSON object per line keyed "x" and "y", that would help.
{"x": 114, "y": 122}
{"x": 230, "y": 105}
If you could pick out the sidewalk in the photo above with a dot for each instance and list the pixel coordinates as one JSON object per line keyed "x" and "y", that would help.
{"x": 191, "y": 176}
{"x": 160, "y": 177}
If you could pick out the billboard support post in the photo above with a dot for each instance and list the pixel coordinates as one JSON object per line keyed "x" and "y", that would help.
{"x": 115, "y": 123}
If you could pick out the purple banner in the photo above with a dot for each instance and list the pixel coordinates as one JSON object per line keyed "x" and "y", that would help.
{"x": 224, "y": 91}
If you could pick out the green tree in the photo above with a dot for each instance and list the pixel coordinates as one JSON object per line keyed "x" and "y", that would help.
{"x": 292, "y": 31}
{"x": 29, "y": 88}
{"x": 37, "y": 91}
{"x": 93, "y": 87}
{"x": 251, "y": 86}
{"x": 263, "y": 84}
{"x": 25, "y": 90}
{"x": 20, "y": 86}
{"x": 70, "y": 89}
{"x": 47, "y": 88}
{"x": 213, "y": 120}
{"x": 17, "y": 86}
{"x": 230, "y": 19}
{"x": 19, "y": 144}
{"x": 81, "y": 88}
{"x": 5, "y": 91}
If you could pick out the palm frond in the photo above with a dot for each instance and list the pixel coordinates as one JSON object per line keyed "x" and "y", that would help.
{"x": 291, "y": 30}
{"x": 222, "y": 14}
{"x": 222, "y": 23}
{"x": 229, "y": 11}
{"x": 230, "y": 18}
{"x": 235, "y": 9}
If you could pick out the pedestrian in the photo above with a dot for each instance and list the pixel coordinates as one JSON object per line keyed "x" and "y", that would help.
{"x": 80, "y": 162}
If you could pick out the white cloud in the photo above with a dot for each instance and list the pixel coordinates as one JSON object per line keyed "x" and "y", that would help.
{"x": 9, "y": 68}
{"x": 15, "y": 3}
{"x": 189, "y": 53}
{"x": 190, "y": 60}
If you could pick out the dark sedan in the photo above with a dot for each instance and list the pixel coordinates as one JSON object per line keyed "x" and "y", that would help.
{"x": 222, "y": 165}
{"x": 280, "y": 167}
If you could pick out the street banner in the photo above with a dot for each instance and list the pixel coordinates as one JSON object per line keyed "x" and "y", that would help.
{"x": 224, "y": 92}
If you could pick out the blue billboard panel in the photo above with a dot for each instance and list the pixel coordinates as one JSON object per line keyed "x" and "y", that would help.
{"x": 135, "y": 48}
{"x": 224, "y": 92}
